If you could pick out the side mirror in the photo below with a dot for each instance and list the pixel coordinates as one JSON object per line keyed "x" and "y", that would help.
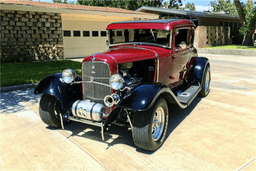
{"x": 107, "y": 42}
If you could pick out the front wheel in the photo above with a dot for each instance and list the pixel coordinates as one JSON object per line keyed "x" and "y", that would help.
{"x": 150, "y": 127}
{"x": 49, "y": 110}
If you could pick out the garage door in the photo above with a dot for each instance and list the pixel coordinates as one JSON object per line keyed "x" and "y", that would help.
{"x": 86, "y": 34}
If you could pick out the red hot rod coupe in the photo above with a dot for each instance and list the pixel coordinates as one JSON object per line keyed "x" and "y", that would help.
{"x": 149, "y": 65}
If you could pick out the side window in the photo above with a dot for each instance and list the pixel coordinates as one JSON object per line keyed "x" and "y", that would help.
{"x": 181, "y": 38}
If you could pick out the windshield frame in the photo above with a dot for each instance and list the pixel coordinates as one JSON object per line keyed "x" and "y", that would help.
{"x": 141, "y": 43}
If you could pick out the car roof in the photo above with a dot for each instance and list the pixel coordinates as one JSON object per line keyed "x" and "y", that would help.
{"x": 147, "y": 21}
{"x": 166, "y": 24}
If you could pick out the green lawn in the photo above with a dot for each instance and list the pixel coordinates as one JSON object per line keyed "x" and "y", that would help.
{"x": 233, "y": 47}
{"x": 33, "y": 72}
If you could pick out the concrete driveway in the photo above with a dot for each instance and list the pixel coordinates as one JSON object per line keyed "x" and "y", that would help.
{"x": 215, "y": 133}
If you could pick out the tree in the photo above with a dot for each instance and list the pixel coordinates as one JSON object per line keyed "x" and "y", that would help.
{"x": 190, "y": 6}
{"x": 224, "y": 5}
{"x": 60, "y": 1}
{"x": 247, "y": 14}
{"x": 125, "y": 4}
{"x": 175, "y": 4}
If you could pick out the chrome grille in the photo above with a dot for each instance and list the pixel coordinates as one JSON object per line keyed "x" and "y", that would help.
{"x": 95, "y": 71}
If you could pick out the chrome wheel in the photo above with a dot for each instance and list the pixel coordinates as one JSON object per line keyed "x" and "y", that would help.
{"x": 158, "y": 124}
{"x": 150, "y": 127}
{"x": 207, "y": 80}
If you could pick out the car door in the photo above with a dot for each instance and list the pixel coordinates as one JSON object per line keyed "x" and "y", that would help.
{"x": 181, "y": 56}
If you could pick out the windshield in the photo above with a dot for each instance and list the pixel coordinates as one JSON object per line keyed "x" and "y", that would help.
{"x": 155, "y": 36}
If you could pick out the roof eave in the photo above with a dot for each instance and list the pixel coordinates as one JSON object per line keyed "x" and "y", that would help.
{"x": 190, "y": 13}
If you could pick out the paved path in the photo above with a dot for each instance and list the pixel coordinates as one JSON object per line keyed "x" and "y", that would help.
{"x": 215, "y": 133}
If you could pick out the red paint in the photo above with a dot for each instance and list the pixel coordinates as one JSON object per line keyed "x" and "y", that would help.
{"x": 174, "y": 65}
{"x": 123, "y": 54}
{"x": 161, "y": 26}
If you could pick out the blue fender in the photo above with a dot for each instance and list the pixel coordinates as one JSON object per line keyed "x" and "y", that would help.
{"x": 199, "y": 67}
{"x": 67, "y": 94}
{"x": 50, "y": 85}
{"x": 143, "y": 97}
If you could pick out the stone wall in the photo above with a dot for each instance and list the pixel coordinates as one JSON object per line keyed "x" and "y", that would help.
{"x": 212, "y": 36}
{"x": 37, "y": 35}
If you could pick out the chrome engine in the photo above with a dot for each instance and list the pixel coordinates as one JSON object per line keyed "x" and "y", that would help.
{"x": 88, "y": 110}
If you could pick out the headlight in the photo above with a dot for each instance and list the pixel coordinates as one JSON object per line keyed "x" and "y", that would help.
{"x": 68, "y": 75}
{"x": 116, "y": 81}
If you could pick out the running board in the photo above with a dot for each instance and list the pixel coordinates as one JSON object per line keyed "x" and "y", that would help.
{"x": 189, "y": 95}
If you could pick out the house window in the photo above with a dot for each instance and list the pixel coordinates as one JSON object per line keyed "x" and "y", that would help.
{"x": 95, "y": 33}
{"x": 103, "y": 33}
{"x": 226, "y": 24}
{"x": 76, "y": 33}
{"x": 67, "y": 33}
{"x": 86, "y": 33}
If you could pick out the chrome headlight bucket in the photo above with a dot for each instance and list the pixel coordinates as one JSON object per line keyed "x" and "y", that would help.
{"x": 116, "y": 81}
{"x": 68, "y": 75}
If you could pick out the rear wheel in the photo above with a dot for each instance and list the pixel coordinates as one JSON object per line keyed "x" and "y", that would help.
{"x": 49, "y": 110}
{"x": 206, "y": 82}
{"x": 149, "y": 127}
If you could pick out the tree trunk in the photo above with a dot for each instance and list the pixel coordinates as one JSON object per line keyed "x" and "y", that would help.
{"x": 250, "y": 2}
{"x": 248, "y": 41}
{"x": 240, "y": 12}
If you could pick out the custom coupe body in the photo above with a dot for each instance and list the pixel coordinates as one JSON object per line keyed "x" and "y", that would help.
{"x": 149, "y": 65}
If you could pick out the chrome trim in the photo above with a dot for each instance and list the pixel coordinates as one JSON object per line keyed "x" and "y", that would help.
{"x": 97, "y": 77}
{"x": 78, "y": 82}
{"x": 93, "y": 98}
{"x": 93, "y": 58}
{"x": 112, "y": 58}
{"x": 157, "y": 72}
{"x": 130, "y": 122}
{"x": 61, "y": 121}
{"x": 84, "y": 121}
{"x": 171, "y": 36}
{"x": 102, "y": 131}
{"x": 96, "y": 83}
{"x": 88, "y": 110}
{"x": 115, "y": 98}
{"x": 96, "y": 109}
{"x": 141, "y": 43}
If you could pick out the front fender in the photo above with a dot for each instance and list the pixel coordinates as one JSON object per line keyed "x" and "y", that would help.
{"x": 67, "y": 94}
{"x": 50, "y": 85}
{"x": 143, "y": 97}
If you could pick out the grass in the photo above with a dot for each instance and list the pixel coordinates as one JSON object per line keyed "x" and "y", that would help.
{"x": 233, "y": 47}
{"x": 34, "y": 72}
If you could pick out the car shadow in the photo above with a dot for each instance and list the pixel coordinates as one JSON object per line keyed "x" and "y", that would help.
{"x": 121, "y": 135}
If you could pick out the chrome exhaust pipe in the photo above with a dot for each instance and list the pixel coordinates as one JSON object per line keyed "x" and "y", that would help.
{"x": 110, "y": 100}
